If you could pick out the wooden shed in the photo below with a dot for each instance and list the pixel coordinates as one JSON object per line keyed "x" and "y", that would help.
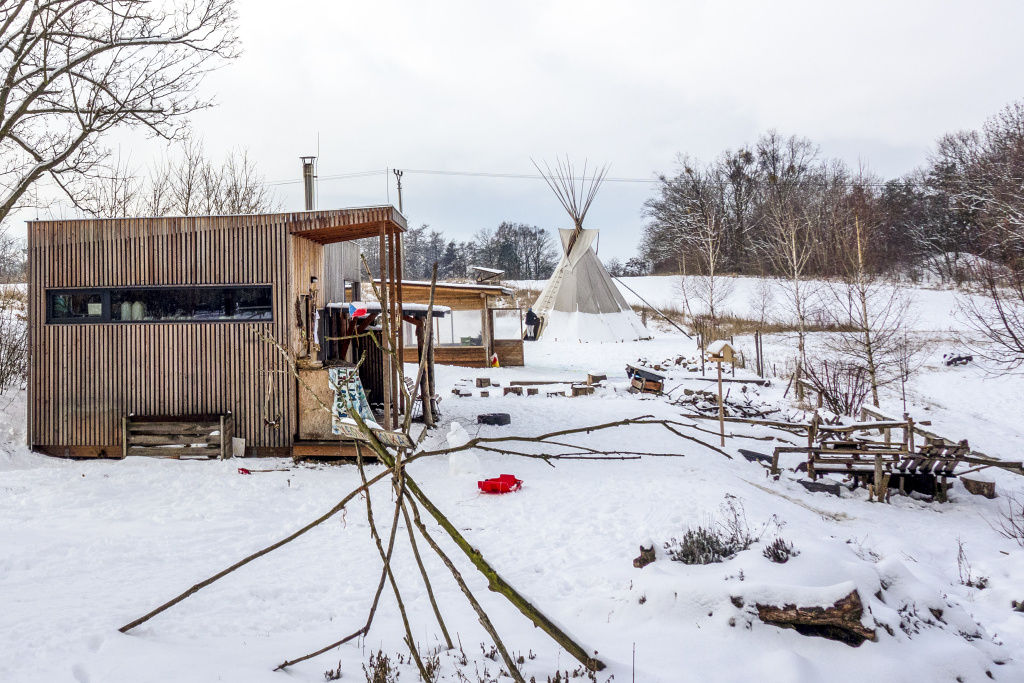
{"x": 472, "y": 351}
{"x": 139, "y": 324}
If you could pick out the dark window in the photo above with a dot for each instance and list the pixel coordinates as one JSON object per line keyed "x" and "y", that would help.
{"x": 160, "y": 304}
{"x": 76, "y": 306}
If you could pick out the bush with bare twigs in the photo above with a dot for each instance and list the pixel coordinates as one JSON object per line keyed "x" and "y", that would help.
{"x": 843, "y": 387}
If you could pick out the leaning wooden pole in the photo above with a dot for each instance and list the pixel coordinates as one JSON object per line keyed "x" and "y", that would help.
{"x": 494, "y": 580}
{"x": 485, "y": 621}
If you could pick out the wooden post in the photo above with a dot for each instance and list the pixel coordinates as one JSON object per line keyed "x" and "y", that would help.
{"x": 733, "y": 360}
{"x": 124, "y": 437}
{"x": 878, "y": 483}
{"x": 385, "y": 358}
{"x": 222, "y": 435}
{"x": 721, "y": 404}
{"x": 910, "y": 435}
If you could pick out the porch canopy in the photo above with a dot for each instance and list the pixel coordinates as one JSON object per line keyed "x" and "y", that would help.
{"x": 344, "y": 225}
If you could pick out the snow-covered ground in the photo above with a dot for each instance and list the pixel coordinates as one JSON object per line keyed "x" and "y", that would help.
{"x": 87, "y": 546}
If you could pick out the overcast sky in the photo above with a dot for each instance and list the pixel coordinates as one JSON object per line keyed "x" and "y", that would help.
{"x": 474, "y": 86}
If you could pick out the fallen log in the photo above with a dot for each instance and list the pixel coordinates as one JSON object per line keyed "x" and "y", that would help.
{"x": 839, "y": 622}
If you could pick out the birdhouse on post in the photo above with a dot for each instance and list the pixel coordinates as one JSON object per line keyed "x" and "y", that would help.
{"x": 721, "y": 352}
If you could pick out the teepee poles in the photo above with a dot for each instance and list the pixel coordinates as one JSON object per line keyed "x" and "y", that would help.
{"x": 575, "y": 194}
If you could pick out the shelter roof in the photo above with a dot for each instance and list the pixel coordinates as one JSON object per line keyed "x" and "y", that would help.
{"x": 467, "y": 287}
{"x": 456, "y": 295}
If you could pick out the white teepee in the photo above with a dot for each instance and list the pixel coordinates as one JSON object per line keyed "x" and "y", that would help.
{"x": 580, "y": 302}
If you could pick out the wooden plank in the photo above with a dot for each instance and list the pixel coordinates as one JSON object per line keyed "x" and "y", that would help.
{"x": 174, "y": 451}
{"x": 173, "y": 439}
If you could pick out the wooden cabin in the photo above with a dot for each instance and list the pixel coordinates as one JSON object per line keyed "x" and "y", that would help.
{"x": 148, "y": 332}
{"x": 498, "y": 329}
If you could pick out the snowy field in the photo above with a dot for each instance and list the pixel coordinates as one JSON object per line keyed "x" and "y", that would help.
{"x": 87, "y": 546}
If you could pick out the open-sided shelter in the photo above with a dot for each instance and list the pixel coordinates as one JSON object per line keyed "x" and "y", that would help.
{"x": 146, "y": 332}
{"x": 500, "y": 327}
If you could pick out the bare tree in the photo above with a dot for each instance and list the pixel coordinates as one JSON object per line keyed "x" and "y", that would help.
{"x": 997, "y": 317}
{"x": 790, "y": 166}
{"x": 188, "y": 185}
{"x": 877, "y": 314}
{"x": 73, "y": 70}
{"x": 699, "y": 214}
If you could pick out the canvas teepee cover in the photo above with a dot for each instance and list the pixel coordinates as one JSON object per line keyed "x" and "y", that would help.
{"x": 580, "y": 302}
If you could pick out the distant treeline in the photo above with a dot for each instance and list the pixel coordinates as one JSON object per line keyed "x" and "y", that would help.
{"x": 524, "y": 252}
{"x": 744, "y": 210}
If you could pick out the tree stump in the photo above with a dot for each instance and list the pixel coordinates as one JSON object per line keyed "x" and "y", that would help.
{"x": 482, "y": 382}
{"x": 582, "y": 390}
{"x": 516, "y": 391}
{"x": 594, "y": 379}
{"x": 839, "y": 622}
{"x": 646, "y": 557}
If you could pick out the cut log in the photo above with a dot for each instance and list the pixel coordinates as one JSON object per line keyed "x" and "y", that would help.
{"x": 482, "y": 382}
{"x": 494, "y": 419}
{"x": 839, "y": 622}
{"x": 594, "y": 379}
{"x": 582, "y": 390}
{"x": 517, "y": 391}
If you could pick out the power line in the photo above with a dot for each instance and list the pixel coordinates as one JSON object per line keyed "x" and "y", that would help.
{"x": 534, "y": 176}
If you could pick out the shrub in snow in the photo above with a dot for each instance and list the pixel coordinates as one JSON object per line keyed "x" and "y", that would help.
{"x": 702, "y": 545}
{"x": 779, "y": 551}
{"x": 720, "y": 538}
{"x": 379, "y": 669}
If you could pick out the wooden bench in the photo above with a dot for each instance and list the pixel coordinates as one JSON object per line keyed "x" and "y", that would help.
{"x": 178, "y": 436}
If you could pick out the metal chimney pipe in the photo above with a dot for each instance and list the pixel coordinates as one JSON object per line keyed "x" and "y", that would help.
{"x": 308, "y": 175}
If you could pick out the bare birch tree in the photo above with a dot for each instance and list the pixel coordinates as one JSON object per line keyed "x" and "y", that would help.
{"x": 790, "y": 166}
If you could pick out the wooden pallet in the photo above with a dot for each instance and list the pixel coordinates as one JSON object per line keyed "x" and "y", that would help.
{"x": 178, "y": 436}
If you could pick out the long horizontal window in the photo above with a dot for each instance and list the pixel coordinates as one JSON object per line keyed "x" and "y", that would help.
{"x": 159, "y": 304}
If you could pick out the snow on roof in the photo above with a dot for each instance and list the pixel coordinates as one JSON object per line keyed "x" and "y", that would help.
{"x": 716, "y": 348}
{"x": 487, "y": 270}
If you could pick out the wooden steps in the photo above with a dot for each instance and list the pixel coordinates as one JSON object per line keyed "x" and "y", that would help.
{"x": 178, "y": 436}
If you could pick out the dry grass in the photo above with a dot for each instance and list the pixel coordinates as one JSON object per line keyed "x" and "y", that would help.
{"x": 525, "y": 296}
{"x": 725, "y": 326}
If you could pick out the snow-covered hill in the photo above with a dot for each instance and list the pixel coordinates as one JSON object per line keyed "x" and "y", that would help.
{"x": 87, "y": 546}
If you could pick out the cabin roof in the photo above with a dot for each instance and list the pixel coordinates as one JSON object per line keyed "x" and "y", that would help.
{"x": 322, "y": 226}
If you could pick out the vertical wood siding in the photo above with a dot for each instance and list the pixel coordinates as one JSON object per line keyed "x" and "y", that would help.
{"x": 84, "y": 377}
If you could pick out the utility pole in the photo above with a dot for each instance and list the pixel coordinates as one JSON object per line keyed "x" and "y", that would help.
{"x": 398, "y": 175}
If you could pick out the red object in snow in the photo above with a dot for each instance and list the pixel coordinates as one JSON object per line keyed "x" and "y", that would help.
{"x": 242, "y": 470}
{"x": 506, "y": 483}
